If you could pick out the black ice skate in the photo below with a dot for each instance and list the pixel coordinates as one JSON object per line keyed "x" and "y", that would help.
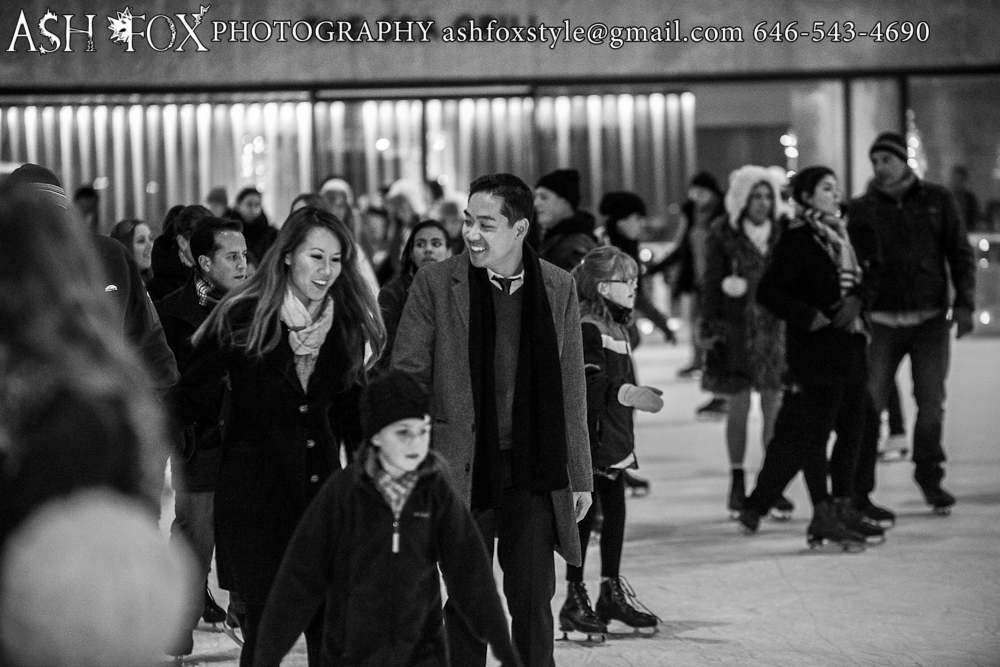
{"x": 618, "y": 607}
{"x": 826, "y": 527}
{"x": 737, "y": 493}
{"x": 883, "y": 517}
{"x": 577, "y": 616}
{"x": 749, "y": 519}
{"x": 713, "y": 411}
{"x": 782, "y": 509}
{"x": 212, "y": 612}
{"x": 939, "y": 499}
{"x": 856, "y": 522}
{"x": 231, "y": 626}
{"x": 637, "y": 486}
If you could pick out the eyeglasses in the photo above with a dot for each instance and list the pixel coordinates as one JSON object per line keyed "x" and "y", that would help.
{"x": 633, "y": 282}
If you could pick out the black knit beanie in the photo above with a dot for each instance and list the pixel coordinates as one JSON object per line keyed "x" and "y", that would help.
{"x": 563, "y": 182}
{"x": 892, "y": 143}
{"x": 704, "y": 179}
{"x": 389, "y": 398}
{"x": 620, "y": 205}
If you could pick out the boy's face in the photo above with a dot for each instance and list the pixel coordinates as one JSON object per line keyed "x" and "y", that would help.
{"x": 402, "y": 445}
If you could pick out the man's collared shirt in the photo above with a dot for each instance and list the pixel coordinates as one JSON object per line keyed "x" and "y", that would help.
{"x": 516, "y": 281}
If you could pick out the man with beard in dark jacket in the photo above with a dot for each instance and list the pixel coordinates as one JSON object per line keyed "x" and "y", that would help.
{"x": 566, "y": 233}
{"x": 220, "y": 254}
{"x": 923, "y": 240}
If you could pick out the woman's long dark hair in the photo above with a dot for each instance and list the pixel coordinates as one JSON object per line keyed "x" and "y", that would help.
{"x": 357, "y": 317}
{"x": 409, "y": 267}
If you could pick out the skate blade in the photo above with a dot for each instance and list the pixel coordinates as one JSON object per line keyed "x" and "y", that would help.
{"x": 639, "y": 492}
{"x": 780, "y": 515}
{"x": 942, "y": 511}
{"x": 893, "y": 455}
{"x": 829, "y": 546}
{"x": 710, "y": 416}
{"x": 620, "y": 630}
{"x": 875, "y": 540}
{"x": 231, "y": 633}
{"x": 734, "y": 515}
{"x": 582, "y": 638}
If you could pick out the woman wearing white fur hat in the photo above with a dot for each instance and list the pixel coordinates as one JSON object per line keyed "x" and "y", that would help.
{"x": 745, "y": 343}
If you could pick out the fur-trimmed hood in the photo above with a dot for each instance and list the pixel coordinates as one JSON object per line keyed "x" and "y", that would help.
{"x": 741, "y": 184}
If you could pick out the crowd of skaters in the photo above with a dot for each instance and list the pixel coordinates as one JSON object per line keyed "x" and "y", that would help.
{"x": 505, "y": 329}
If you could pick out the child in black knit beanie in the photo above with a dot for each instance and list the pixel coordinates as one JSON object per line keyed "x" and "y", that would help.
{"x": 367, "y": 551}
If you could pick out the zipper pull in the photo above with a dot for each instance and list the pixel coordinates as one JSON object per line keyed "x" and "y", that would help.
{"x": 395, "y": 537}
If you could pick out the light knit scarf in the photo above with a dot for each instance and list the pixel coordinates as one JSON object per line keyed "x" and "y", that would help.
{"x": 759, "y": 235}
{"x": 831, "y": 233}
{"x": 305, "y": 335}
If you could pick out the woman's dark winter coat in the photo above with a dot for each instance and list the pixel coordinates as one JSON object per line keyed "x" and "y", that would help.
{"x": 279, "y": 447}
{"x": 169, "y": 272}
{"x": 800, "y": 282}
{"x": 607, "y": 362}
{"x": 750, "y": 348}
{"x": 383, "y": 609}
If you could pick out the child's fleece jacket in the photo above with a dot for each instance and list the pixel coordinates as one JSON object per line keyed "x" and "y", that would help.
{"x": 383, "y": 606}
{"x": 607, "y": 358}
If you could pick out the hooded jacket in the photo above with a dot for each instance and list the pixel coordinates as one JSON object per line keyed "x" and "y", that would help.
{"x": 383, "y": 605}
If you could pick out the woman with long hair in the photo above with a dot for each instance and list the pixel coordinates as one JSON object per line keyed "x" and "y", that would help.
{"x": 137, "y": 238}
{"x": 81, "y": 446}
{"x": 427, "y": 244}
{"x": 292, "y": 341}
{"x": 744, "y": 342}
{"x": 819, "y": 281}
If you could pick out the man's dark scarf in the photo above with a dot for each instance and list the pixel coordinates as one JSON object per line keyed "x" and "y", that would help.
{"x": 538, "y": 419}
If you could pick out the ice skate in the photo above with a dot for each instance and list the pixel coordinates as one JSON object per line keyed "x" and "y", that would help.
{"x": 692, "y": 372}
{"x": 712, "y": 411}
{"x": 618, "y": 607}
{"x": 636, "y": 486}
{"x": 894, "y": 450}
{"x": 577, "y": 617}
{"x": 856, "y": 522}
{"x": 883, "y": 517}
{"x": 782, "y": 509}
{"x": 749, "y": 519}
{"x": 231, "y": 627}
{"x": 827, "y": 528}
{"x": 212, "y": 613}
{"x": 940, "y": 500}
{"x": 737, "y": 493}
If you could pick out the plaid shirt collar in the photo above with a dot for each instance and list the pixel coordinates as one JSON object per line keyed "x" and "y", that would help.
{"x": 395, "y": 491}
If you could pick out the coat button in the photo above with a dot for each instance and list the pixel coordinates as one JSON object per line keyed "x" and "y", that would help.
{"x": 314, "y": 479}
{"x": 468, "y": 467}
{"x": 303, "y": 409}
{"x": 310, "y": 444}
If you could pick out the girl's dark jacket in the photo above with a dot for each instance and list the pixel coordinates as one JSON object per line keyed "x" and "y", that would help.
{"x": 607, "y": 358}
{"x": 802, "y": 280}
{"x": 383, "y": 608}
{"x": 279, "y": 447}
{"x": 750, "y": 352}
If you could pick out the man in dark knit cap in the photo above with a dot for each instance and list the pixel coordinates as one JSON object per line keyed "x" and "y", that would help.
{"x": 565, "y": 233}
{"x": 923, "y": 240}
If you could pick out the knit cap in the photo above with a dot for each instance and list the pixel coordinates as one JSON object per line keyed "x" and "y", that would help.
{"x": 620, "y": 205}
{"x": 390, "y": 397}
{"x": 892, "y": 143}
{"x": 563, "y": 182}
{"x": 704, "y": 179}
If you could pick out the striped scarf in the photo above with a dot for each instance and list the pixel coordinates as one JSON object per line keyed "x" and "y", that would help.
{"x": 831, "y": 233}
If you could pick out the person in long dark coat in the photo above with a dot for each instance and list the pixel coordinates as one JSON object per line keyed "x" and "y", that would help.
{"x": 744, "y": 342}
{"x": 292, "y": 340}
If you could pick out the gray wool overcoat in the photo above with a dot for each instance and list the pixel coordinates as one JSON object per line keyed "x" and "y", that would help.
{"x": 432, "y": 343}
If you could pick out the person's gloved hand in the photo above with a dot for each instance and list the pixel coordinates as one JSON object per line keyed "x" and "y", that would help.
{"x": 646, "y": 399}
{"x": 962, "y": 318}
{"x": 848, "y": 310}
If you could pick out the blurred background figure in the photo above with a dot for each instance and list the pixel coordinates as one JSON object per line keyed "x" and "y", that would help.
{"x": 87, "y": 203}
{"x": 257, "y": 229}
{"x": 137, "y": 238}
{"x": 688, "y": 261}
{"x": 564, "y": 233}
{"x": 427, "y": 244}
{"x": 81, "y": 457}
{"x": 451, "y": 214}
{"x": 217, "y": 201}
{"x": 172, "y": 259}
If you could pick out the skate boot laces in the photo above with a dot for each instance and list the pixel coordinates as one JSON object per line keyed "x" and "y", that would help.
{"x": 632, "y": 600}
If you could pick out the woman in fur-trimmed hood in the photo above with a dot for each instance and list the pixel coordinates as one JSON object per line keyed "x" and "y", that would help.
{"x": 745, "y": 343}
